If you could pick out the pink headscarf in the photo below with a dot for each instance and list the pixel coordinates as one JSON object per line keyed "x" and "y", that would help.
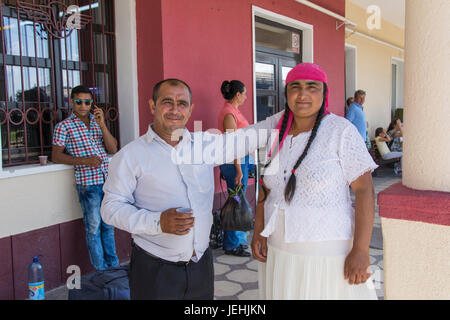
{"x": 303, "y": 71}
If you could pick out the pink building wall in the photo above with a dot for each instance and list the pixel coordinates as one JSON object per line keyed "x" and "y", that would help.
{"x": 205, "y": 42}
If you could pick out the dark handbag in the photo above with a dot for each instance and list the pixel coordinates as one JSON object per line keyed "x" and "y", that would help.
{"x": 236, "y": 214}
{"x": 110, "y": 284}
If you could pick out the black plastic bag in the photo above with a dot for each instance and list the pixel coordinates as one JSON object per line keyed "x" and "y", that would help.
{"x": 216, "y": 235}
{"x": 236, "y": 214}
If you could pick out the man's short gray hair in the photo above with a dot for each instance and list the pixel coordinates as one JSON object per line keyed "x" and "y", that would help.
{"x": 359, "y": 93}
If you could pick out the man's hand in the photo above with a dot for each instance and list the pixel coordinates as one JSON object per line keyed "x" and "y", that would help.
{"x": 356, "y": 265}
{"x": 99, "y": 116}
{"x": 177, "y": 223}
{"x": 93, "y": 162}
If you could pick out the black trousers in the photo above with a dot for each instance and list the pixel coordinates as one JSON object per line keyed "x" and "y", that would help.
{"x": 152, "y": 278}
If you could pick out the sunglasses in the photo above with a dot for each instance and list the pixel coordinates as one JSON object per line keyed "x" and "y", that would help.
{"x": 87, "y": 102}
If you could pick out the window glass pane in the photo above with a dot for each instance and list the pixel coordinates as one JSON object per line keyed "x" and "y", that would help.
{"x": 284, "y": 72}
{"x": 73, "y": 76}
{"x": 27, "y": 37}
{"x": 11, "y": 33}
{"x": 276, "y": 38}
{"x": 16, "y": 140}
{"x": 14, "y": 82}
{"x": 72, "y": 49}
{"x": 4, "y": 129}
{"x": 102, "y": 95}
{"x": 265, "y": 76}
{"x": 96, "y": 7}
{"x": 37, "y": 96}
{"x": 30, "y": 85}
{"x": 265, "y": 106}
{"x": 99, "y": 45}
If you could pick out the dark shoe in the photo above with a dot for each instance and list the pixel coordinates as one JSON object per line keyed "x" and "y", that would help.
{"x": 238, "y": 252}
{"x": 244, "y": 246}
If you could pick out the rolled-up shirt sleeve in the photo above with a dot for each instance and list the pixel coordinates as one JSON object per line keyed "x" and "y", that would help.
{"x": 60, "y": 136}
{"x": 354, "y": 157}
{"x": 118, "y": 206}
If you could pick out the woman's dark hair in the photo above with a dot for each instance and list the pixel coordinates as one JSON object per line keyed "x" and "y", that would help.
{"x": 230, "y": 89}
{"x": 378, "y": 131}
{"x": 393, "y": 123}
{"x": 79, "y": 90}
{"x": 290, "y": 187}
{"x": 349, "y": 100}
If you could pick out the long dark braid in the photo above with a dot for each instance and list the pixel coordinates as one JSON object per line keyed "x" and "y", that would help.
{"x": 290, "y": 187}
{"x": 274, "y": 153}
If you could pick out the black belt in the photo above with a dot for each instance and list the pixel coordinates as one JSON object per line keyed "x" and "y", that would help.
{"x": 179, "y": 263}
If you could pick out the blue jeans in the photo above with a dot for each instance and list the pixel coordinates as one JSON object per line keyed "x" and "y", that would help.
{"x": 99, "y": 235}
{"x": 233, "y": 239}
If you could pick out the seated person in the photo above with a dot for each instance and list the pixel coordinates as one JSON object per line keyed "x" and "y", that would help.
{"x": 396, "y": 134}
{"x": 381, "y": 140}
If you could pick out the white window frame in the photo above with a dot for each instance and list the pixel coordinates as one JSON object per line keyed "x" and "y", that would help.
{"x": 400, "y": 81}
{"x": 355, "y": 48}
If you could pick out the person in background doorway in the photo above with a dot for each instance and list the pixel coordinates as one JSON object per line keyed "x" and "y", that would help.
{"x": 236, "y": 173}
{"x": 395, "y": 132}
{"x": 348, "y": 103}
{"x": 355, "y": 113}
{"x": 382, "y": 139}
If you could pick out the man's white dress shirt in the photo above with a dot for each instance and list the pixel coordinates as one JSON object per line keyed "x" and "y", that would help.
{"x": 149, "y": 176}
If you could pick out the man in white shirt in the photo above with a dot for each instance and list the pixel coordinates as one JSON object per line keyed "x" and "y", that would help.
{"x": 148, "y": 181}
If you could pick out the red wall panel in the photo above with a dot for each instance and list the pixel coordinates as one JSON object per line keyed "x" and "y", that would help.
{"x": 6, "y": 270}
{"x": 74, "y": 249}
{"x": 31, "y": 244}
{"x": 149, "y": 55}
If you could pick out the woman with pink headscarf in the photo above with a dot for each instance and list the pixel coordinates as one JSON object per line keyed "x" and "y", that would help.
{"x": 310, "y": 240}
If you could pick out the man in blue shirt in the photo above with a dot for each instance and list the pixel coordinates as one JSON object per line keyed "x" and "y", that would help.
{"x": 355, "y": 113}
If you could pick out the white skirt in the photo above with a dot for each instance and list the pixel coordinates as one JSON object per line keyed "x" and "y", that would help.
{"x": 308, "y": 270}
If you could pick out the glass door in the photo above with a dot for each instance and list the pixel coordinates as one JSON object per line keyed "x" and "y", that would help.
{"x": 266, "y": 73}
{"x": 270, "y": 73}
{"x": 285, "y": 65}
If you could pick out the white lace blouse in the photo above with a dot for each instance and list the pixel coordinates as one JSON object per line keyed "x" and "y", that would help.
{"x": 321, "y": 208}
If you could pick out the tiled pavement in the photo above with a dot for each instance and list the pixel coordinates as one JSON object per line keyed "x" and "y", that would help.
{"x": 236, "y": 278}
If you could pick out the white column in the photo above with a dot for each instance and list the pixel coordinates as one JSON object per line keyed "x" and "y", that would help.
{"x": 426, "y": 159}
{"x": 127, "y": 80}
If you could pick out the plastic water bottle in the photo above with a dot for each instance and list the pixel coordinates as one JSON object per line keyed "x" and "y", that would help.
{"x": 36, "y": 280}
